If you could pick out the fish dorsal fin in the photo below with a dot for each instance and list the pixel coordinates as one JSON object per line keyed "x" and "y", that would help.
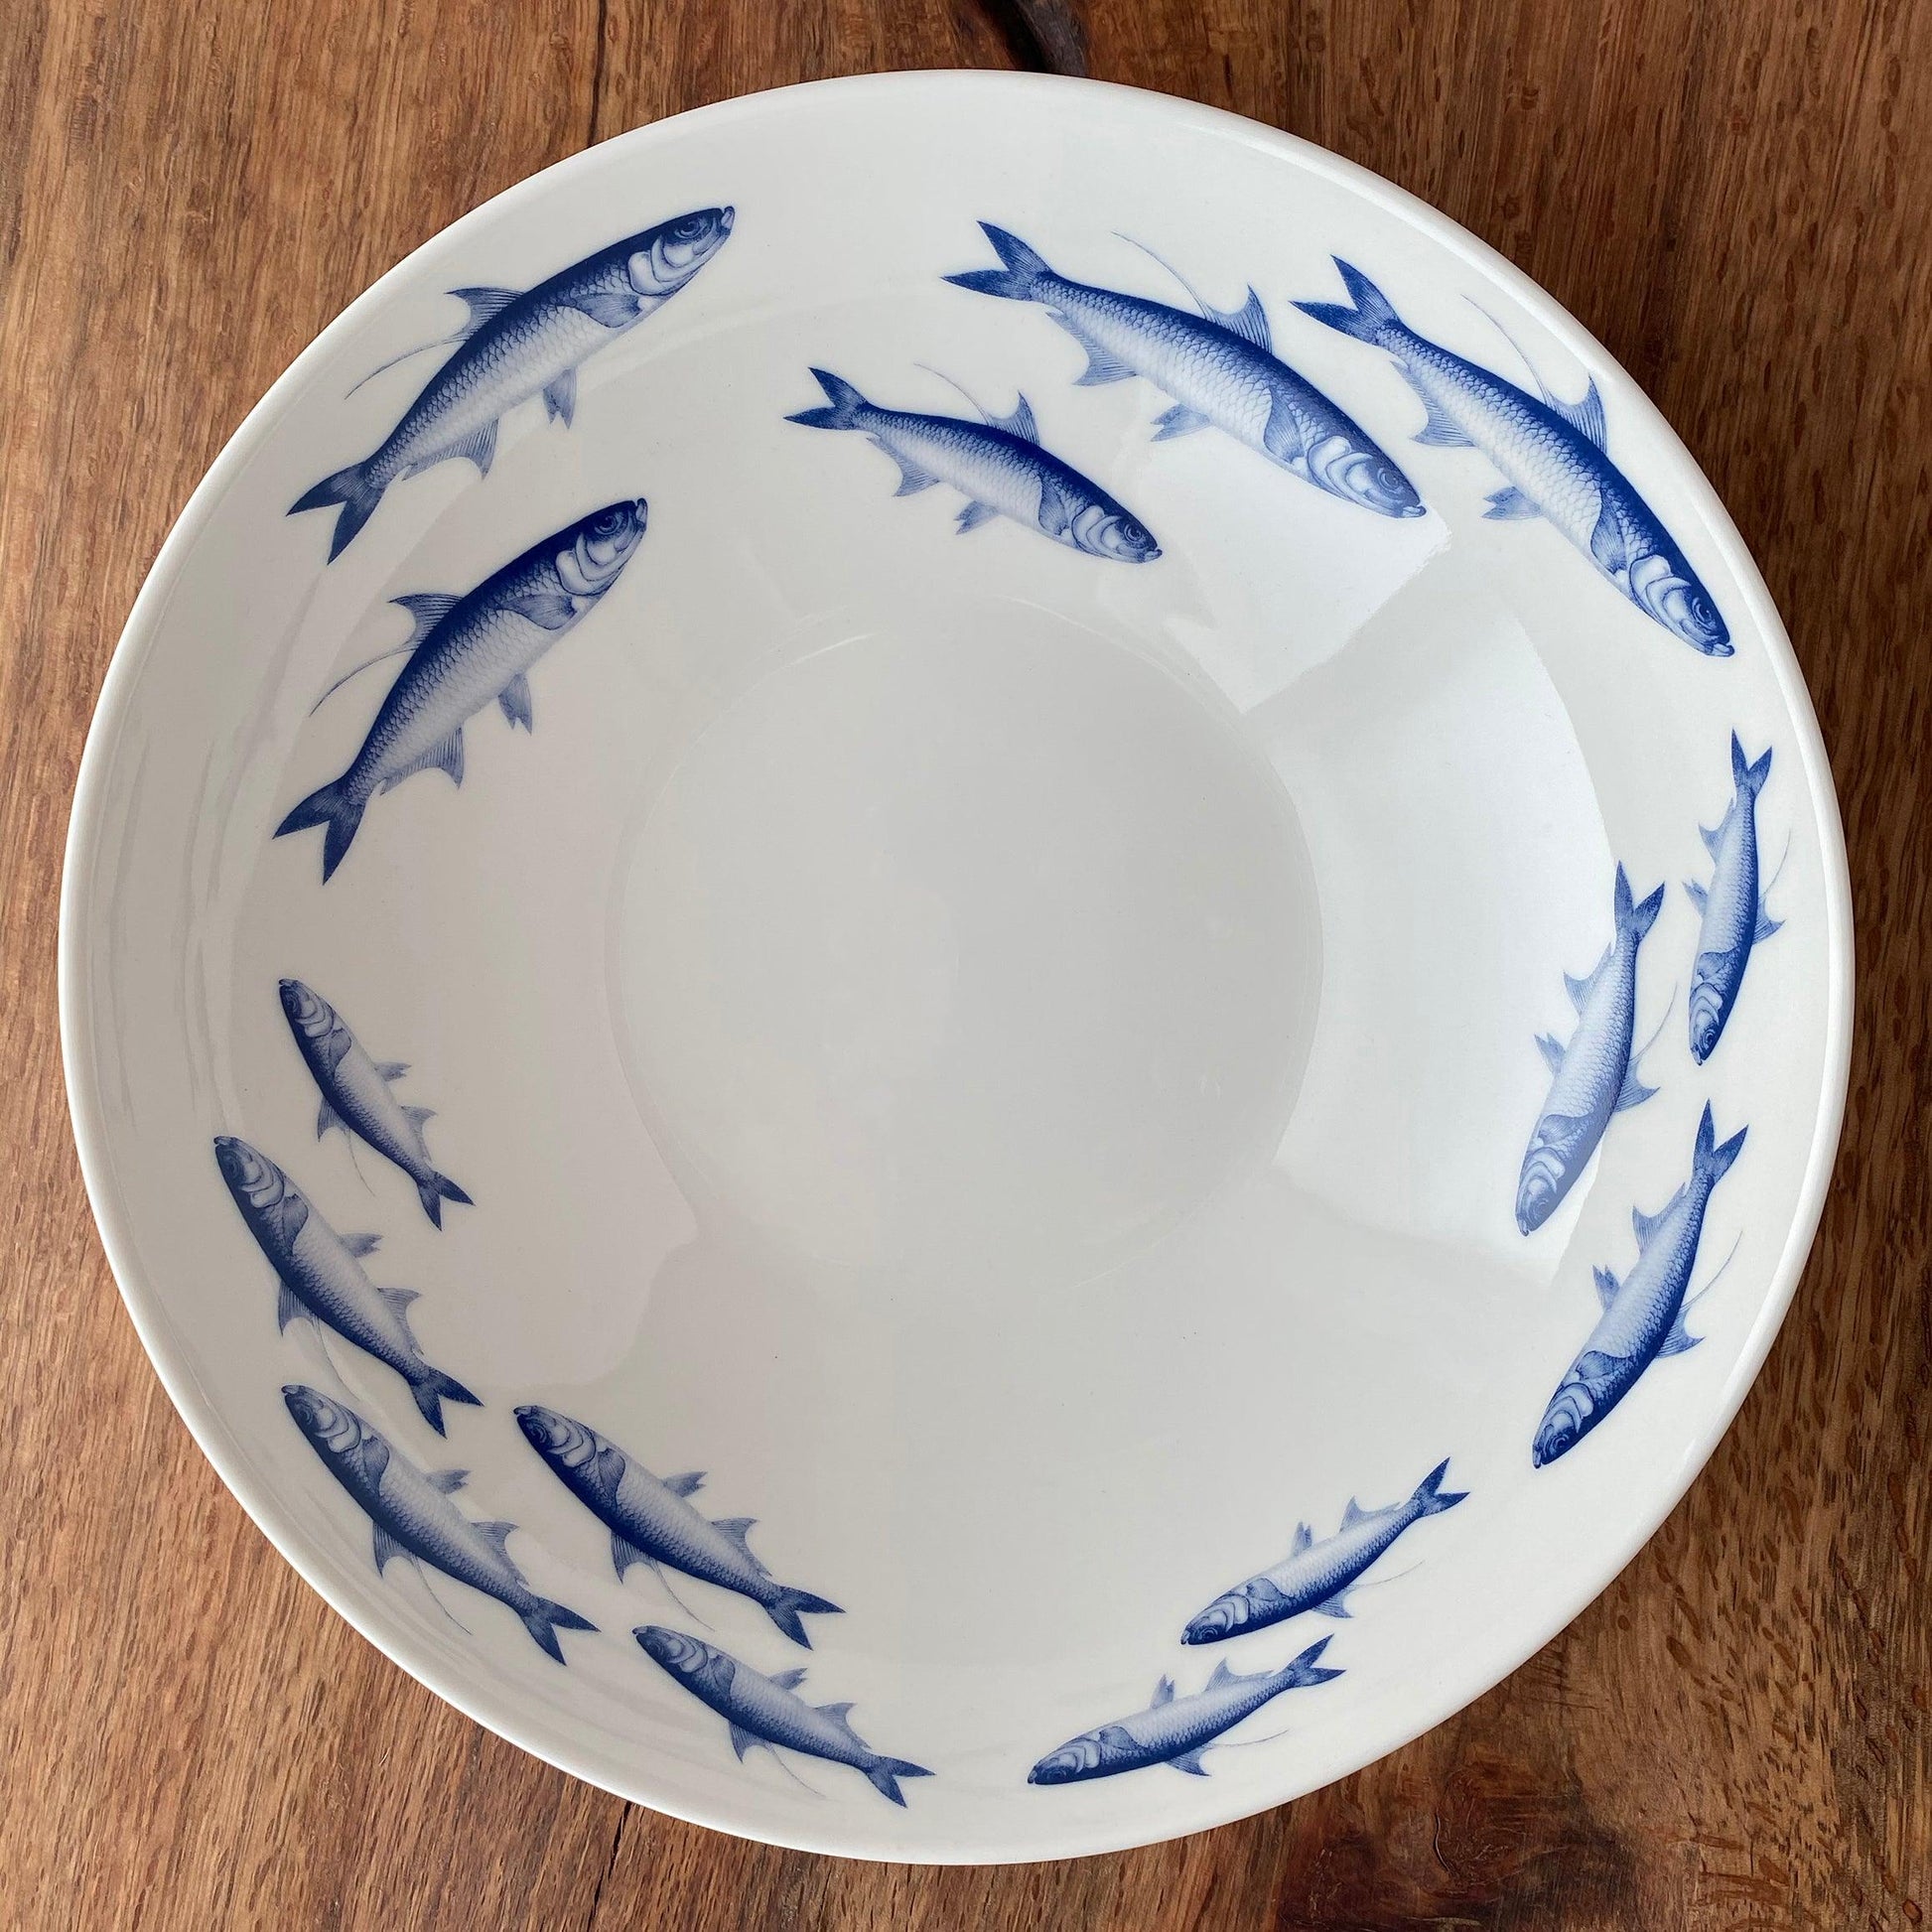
{"x": 789, "y": 1679}
{"x": 1249, "y": 322}
{"x": 1020, "y": 423}
{"x": 1585, "y": 416}
{"x": 288, "y": 1306}
{"x": 623, "y": 1553}
{"x": 496, "y": 1535}
{"x": 1162, "y": 1693}
{"x": 1680, "y": 1337}
{"x": 1633, "y": 1092}
{"x": 1303, "y": 1538}
{"x": 744, "y": 1741}
{"x": 1222, "y": 1675}
{"x": 1607, "y": 1285}
{"x": 448, "y": 1481}
{"x": 736, "y": 1528}
{"x": 1352, "y": 1513}
{"x": 1189, "y": 1761}
{"x": 427, "y": 608}
{"x": 326, "y": 1117}
{"x": 688, "y": 1484}
{"x": 484, "y": 304}
{"x": 386, "y": 1547}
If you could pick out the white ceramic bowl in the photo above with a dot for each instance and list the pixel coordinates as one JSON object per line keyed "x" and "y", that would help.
{"x": 1017, "y": 1052}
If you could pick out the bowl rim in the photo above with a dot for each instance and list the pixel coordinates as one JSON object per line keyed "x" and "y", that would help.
{"x": 471, "y": 1693}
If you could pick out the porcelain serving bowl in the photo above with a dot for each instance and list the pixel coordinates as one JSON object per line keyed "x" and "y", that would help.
{"x": 1140, "y": 924}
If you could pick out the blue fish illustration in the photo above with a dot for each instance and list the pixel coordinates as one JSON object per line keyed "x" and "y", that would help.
{"x": 650, "y": 1522}
{"x": 1595, "y": 1076}
{"x": 1643, "y": 1315}
{"x": 1734, "y": 918}
{"x": 1554, "y": 458}
{"x": 413, "y": 1515}
{"x": 355, "y": 1095}
{"x": 1221, "y": 369}
{"x": 1177, "y": 1729}
{"x": 767, "y": 1711}
{"x": 320, "y": 1275}
{"x": 465, "y": 651}
{"x": 1319, "y": 1576}
{"x": 998, "y": 464}
{"x": 517, "y": 346}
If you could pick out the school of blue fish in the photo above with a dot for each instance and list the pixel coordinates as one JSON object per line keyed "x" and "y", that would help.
{"x": 1219, "y": 369}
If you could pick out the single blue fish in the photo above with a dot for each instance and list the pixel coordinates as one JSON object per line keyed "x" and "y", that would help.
{"x": 355, "y": 1095}
{"x": 1643, "y": 1315}
{"x": 413, "y": 1516}
{"x": 1319, "y": 1576}
{"x": 652, "y": 1522}
{"x": 767, "y": 1711}
{"x": 1221, "y": 369}
{"x": 517, "y": 346}
{"x": 1595, "y": 1076}
{"x": 1554, "y": 455}
{"x": 998, "y": 464}
{"x": 1176, "y": 1730}
{"x": 1734, "y": 918}
{"x": 465, "y": 651}
{"x": 320, "y": 1275}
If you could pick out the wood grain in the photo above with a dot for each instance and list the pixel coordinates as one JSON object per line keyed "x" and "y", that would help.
{"x": 1736, "y": 199}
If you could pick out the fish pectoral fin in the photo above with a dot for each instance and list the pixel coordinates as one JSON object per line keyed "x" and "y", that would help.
{"x": 1439, "y": 430}
{"x": 974, "y": 514}
{"x": 288, "y": 1306}
{"x": 549, "y": 609}
{"x": 560, "y": 398}
{"x": 1552, "y": 1049}
{"x": 514, "y": 698}
{"x": 1189, "y": 1761}
{"x": 623, "y": 1553}
{"x": 1633, "y": 1092}
{"x": 1698, "y": 895}
{"x": 427, "y": 608}
{"x": 1509, "y": 504}
{"x": 744, "y": 1741}
{"x": 326, "y": 1117}
{"x": 687, "y": 1484}
{"x": 375, "y": 1453}
{"x": 1607, "y": 1285}
{"x": 448, "y": 1482}
{"x": 386, "y": 1547}
{"x": 1056, "y": 512}
{"x": 612, "y": 309}
{"x": 361, "y": 1245}
{"x": 1609, "y": 542}
{"x": 446, "y": 756}
{"x": 1178, "y": 421}
{"x": 484, "y": 304}
{"x": 291, "y": 1217}
{"x": 1555, "y": 1130}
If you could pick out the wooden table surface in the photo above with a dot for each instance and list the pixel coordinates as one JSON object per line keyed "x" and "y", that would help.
{"x": 1738, "y": 200}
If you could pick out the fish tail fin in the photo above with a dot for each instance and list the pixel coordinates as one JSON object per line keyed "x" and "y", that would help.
{"x": 434, "y": 1192}
{"x": 885, "y": 1773}
{"x": 338, "y": 807}
{"x": 1022, "y": 267}
{"x": 1369, "y": 318}
{"x": 1633, "y": 915}
{"x": 1712, "y": 1160}
{"x": 1306, "y": 1669}
{"x": 543, "y": 1619}
{"x": 1746, "y": 777}
{"x": 433, "y": 1390}
{"x": 788, "y": 1605}
{"x": 358, "y": 495}
{"x": 1430, "y": 1498}
{"x": 846, "y": 404}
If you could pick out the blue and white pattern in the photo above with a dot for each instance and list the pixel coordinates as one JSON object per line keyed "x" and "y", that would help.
{"x": 464, "y": 652}
{"x": 1595, "y": 1076}
{"x": 517, "y": 346}
{"x": 1643, "y": 1315}
{"x": 1319, "y": 1576}
{"x": 769, "y": 1711}
{"x": 1221, "y": 369}
{"x": 1554, "y": 455}
{"x": 412, "y": 1514}
{"x": 998, "y": 465}
{"x": 1177, "y": 1729}
{"x": 651, "y": 1521}
{"x": 1731, "y": 905}
{"x": 355, "y": 1095}
{"x": 320, "y": 1275}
